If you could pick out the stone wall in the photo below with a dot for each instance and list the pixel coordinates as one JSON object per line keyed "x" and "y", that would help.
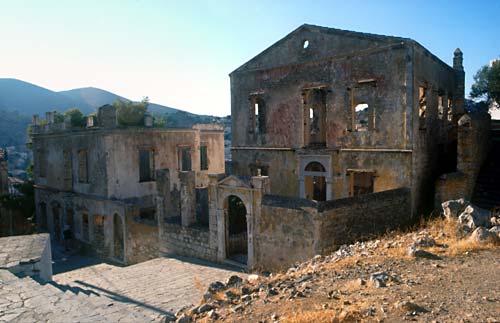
{"x": 186, "y": 241}
{"x": 362, "y": 217}
{"x": 473, "y": 144}
{"x": 291, "y": 229}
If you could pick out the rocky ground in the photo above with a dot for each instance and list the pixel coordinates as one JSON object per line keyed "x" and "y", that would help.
{"x": 445, "y": 270}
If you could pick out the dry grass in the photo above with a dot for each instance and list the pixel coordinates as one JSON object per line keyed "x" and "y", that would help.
{"x": 325, "y": 316}
{"x": 198, "y": 285}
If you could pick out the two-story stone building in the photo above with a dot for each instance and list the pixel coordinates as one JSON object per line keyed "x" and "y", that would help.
{"x": 100, "y": 180}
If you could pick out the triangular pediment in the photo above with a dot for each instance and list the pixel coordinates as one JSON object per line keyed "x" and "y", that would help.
{"x": 234, "y": 181}
{"x": 322, "y": 42}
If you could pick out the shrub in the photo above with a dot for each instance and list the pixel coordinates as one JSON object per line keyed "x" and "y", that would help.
{"x": 130, "y": 113}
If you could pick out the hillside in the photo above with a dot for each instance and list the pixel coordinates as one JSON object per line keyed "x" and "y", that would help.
{"x": 434, "y": 273}
{"x": 29, "y": 99}
{"x": 95, "y": 98}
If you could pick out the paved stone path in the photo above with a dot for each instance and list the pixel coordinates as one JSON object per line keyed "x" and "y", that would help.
{"x": 27, "y": 301}
{"x": 154, "y": 288}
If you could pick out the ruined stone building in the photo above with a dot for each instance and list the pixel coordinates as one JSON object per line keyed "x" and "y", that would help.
{"x": 336, "y": 136}
{"x": 100, "y": 180}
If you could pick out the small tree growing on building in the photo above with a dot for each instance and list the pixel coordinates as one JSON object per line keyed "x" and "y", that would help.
{"x": 129, "y": 113}
{"x": 76, "y": 116}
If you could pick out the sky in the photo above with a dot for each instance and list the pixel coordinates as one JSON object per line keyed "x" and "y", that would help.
{"x": 179, "y": 53}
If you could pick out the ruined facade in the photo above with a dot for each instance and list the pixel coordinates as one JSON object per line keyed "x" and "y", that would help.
{"x": 337, "y": 136}
{"x": 100, "y": 180}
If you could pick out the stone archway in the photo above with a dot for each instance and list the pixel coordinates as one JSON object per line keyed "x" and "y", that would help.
{"x": 118, "y": 238}
{"x": 315, "y": 177}
{"x": 315, "y": 181}
{"x": 236, "y": 229}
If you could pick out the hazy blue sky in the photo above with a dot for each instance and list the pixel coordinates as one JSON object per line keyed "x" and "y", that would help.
{"x": 179, "y": 53}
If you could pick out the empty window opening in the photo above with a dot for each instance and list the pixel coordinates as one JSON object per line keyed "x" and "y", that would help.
{"x": 98, "y": 232}
{"x": 440, "y": 106}
{"x": 85, "y": 227}
{"x": 259, "y": 115}
{"x": 236, "y": 229}
{"x": 83, "y": 166}
{"x": 185, "y": 158}
{"x": 203, "y": 157}
{"x": 315, "y": 116}
{"x": 422, "y": 106}
{"x": 361, "y": 111}
{"x": 363, "y": 99}
{"x": 315, "y": 181}
{"x": 361, "y": 183}
{"x": 146, "y": 165}
{"x": 449, "y": 113}
{"x": 305, "y": 44}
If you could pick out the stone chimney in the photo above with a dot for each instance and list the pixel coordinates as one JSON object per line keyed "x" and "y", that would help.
{"x": 459, "y": 95}
{"x": 49, "y": 117}
{"x": 458, "y": 59}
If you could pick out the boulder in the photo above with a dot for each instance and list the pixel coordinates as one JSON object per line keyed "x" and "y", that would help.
{"x": 474, "y": 217}
{"x": 215, "y": 287}
{"x": 452, "y": 208}
{"x": 482, "y": 235}
{"x": 419, "y": 253}
{"x": 496, "y": 230}
{"x": 184, "y": 318}
{"x": 205, "y": 308}
{"x": 234, "y": 281}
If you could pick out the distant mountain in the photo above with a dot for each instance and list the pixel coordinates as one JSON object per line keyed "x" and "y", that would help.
{"x": 95, "y": 97}
{"x": 29, "y": 99}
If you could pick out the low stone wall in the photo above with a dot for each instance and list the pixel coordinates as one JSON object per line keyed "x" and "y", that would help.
{"x": 289, "y": 230}
{"x": 186, "y": 241}
{"x": 362, "y": 217}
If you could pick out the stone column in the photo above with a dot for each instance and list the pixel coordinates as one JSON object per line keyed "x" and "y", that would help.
{"x": 214, "y": 214}
{"x": 188, "y": 197}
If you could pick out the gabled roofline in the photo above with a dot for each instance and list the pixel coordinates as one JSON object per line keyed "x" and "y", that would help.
{"x": 325, "y": 30}
{"x": 346, "y": 33}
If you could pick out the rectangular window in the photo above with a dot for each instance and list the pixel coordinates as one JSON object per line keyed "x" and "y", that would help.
{"x": 203, "y": 157}
{"x": 146, "y": 165}
{"x": 440, "y": 105}
{"x": 42, "y": 163}
{"x": 83, "y": 166}
{"x": 361, "y": 183}
{"x": 185, "y": 158}
{"x": 450, "y": 110}
{"x": 422, "y": 106}
{"x": 363, "y": 99}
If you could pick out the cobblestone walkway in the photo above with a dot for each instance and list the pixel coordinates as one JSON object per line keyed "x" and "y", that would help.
{"x": 154, "y": 288}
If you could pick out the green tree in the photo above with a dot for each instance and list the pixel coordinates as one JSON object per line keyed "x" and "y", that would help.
{"x": 130, "y": 113}
{"x": 159, "y": 121}
{"x": 58, "y": 117}
{"x": 76, "y": 116}
{"x": 486, "y": 85}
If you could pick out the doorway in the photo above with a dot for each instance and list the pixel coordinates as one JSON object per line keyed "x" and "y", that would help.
{"x": 315, "y": 182}
{"x": 236, "y": 230}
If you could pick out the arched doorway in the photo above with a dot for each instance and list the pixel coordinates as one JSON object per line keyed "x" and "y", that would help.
{"x": 315, "y": 181}
{"x": 118, "y": 238}
{"x": 236, "y": 229}
{"x": 56, "y": 221}
{"x": 43, "y": 217}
